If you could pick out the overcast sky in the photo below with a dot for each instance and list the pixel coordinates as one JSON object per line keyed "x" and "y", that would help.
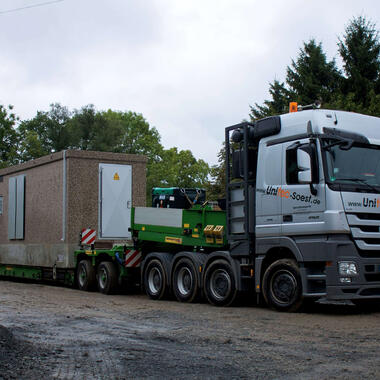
{"x": 190, "y": 67}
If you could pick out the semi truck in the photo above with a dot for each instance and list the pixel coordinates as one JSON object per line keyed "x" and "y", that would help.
{"x": 301, "y": 221}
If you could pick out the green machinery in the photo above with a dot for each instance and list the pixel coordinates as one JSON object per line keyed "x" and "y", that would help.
{"x": 198, "y": 228}
{"x": 176, "y": 197}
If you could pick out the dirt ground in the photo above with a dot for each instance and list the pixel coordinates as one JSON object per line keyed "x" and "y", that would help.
{"x": 49, "y": 332}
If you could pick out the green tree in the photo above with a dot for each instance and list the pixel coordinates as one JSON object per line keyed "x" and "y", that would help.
{"x": 279, "y": 103}
{"x": 83, "y": 127}
{"x": 311, "y": 76}
{"x": 9, "y": 138}
{"x": 349, "y": 102}
{"x": 104, "y": 135}
{"x": 114, "y": 131}
{"x": 177, "y": 168}
{"x": 47, "y": 131}
{"x": 31, "y": 146}
{"x": 216, "y": 186}
{"x": 360, "y": 50}
{"x": 136, "y": 135}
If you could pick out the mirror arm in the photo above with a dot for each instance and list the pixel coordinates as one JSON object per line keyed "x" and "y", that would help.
{"x": 313, "y": 190}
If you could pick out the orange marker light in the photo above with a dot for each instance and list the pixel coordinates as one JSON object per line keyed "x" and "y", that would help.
{"x": 293, "y": 107}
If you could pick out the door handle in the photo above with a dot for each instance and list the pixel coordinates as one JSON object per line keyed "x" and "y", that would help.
{"x": 287, "y": 218}
{"x": 128, "y": 204}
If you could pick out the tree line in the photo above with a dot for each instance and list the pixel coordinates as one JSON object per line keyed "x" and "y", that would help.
{"x": 108, "y": 131}
{"x": 309, "y": 77}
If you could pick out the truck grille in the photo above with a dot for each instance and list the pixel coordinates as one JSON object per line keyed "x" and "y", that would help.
{"x": 365, "y": 231}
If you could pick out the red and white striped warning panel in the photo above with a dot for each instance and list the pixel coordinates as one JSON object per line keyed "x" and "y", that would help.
{"x": 88, "y": 236}
{"x": 132, "y": 258}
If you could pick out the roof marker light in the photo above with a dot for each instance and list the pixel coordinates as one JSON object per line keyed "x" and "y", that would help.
{"x": 293, "y": 107}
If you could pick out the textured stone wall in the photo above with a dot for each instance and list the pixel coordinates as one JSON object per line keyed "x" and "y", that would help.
{"x": 43, "y": 200}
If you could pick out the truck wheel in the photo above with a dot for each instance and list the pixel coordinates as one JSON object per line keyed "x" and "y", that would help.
{"x": 86, "y": 275}
{"x": 282, "y": 286}
{"x": 107, "y": 277}
{"x": 185, "y": 281}
{"x": 219, "y": 280}
{"x": 155, "y": 279}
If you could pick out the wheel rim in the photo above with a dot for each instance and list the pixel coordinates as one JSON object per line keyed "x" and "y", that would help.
{"x": 220, "y": 284}
{"x": 284, "y": 287}
{"x": 82, "y": 275}
{"x": 103, "y": 278}
{"x": 154, "y": 280}
{"x": 184, "y": 281}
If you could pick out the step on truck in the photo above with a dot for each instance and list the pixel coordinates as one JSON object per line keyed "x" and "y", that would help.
{"x": 301, "y": 219}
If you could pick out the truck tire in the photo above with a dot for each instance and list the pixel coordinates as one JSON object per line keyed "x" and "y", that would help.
{"x": 185, "y": 281}
{"x": 155, "y": 279}
{"x": 86, "y": 275}
{"x": 107, "y": 277}
{"x": 219, "y": 282}
{"x": 282, "y": 286}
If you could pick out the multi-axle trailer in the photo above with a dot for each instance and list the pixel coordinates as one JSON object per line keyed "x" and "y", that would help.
{"x": 175, "y": 245}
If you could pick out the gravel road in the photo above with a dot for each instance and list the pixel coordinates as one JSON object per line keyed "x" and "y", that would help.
{"x": 49, "y": 332}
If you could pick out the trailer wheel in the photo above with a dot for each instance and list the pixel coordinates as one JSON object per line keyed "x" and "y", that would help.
{"x": 86, "y": 275}
{"x": 282, "y": 286}
{"x": 107, "y": 277}
{"x": 219, "y": 279}
{"x": 155, "y": 279}
{"x": 185, "y": 281}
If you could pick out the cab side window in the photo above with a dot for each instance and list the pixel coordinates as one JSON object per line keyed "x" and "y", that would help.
{"x": 291, "y": 167}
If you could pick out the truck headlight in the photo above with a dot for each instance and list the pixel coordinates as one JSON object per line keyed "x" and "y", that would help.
{"x": 347, "y": 268}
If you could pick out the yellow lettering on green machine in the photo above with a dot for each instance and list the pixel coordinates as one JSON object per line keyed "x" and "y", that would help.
{"x": 173, "y": 240}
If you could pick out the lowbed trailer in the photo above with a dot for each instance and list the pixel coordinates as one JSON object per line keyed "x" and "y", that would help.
{"x": 301, "y": 221}
{"x": 183, "y": 237}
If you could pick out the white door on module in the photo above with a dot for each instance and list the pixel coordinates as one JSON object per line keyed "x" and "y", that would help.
{"x": 115, "y": 201}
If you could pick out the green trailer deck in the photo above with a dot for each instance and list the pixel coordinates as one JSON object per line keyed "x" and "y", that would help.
{"x": 196, "y": 228}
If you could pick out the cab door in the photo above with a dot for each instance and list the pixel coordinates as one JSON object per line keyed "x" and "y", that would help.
{"x": 302, "y": 204}
{"x": 268, "y": 185}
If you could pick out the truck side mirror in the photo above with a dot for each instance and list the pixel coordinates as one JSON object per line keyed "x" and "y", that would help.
{"x": 304, "y": 166}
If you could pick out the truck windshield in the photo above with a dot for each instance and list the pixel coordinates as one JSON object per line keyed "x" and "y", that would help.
{"x": 352, "y": 166}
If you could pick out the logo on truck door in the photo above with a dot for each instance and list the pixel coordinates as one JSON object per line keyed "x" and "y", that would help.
{"x": 271, "y": 190}
{"x": 277, "y": 191}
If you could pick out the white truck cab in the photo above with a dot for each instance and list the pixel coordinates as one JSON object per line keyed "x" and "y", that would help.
{"x": 309, "y": 197}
